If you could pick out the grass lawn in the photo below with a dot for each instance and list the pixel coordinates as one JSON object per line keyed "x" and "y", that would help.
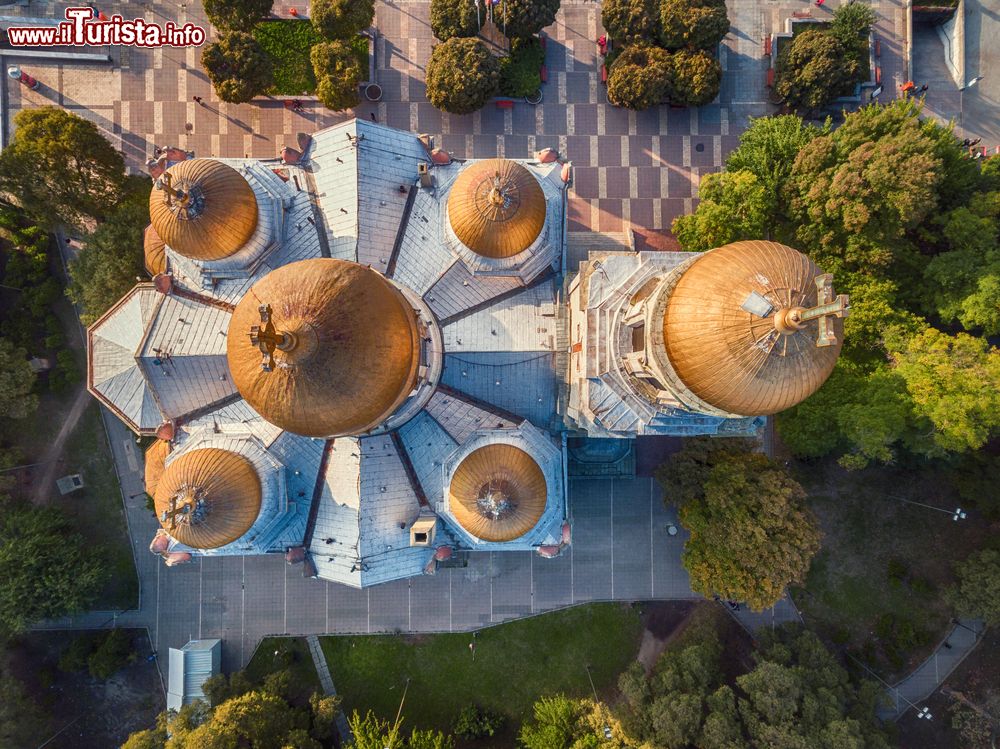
{"x": 877, "y": 585}
{"x": 289, "y": 42}
{"x": 514, "y": 664}
{"x": 277, "y": 654}
{"x": 97, "y": 510}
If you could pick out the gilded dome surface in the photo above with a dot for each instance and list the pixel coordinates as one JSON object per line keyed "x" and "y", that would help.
{"x": 496, "y": 208}
{"x": 203, "y": 209}
{"x": 738, "y": 361}
{"x": 154, "y": 256}
{"x": 497, "y": 493}
{"x": 156, "y": 456}
{"x": 338, "y": 352}
{"x": 208, "y": 497}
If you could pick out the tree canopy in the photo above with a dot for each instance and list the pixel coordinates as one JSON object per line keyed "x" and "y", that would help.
{"x": 238, "y": 67}
{"x": 372, "y": 732}
{"x": 16, "y": 382}
{"x": 814, "y": 70}
{"x": 48, "y": 570}
{"x": 451, "y": 18}
{"x": 524, "y": 18}
{"x": 640, "y": 77}
{"x": 236, "y": 15}
{"x": 751, "y": 534}
{"x": 693, "y": 24}
{"x": 977, "y": 592}
{"x": 340, "y": 19}
{"x": 462, "y": 75}
{"x": 697, "y": 77}
{"x": 112, "y": 257}
{"x": 733, "y": 205}
{"x": 59, "y": 168}
{"x": 338, "y": 72}
{"x": 631, "y": 21}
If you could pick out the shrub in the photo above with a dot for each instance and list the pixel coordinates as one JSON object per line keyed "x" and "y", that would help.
{"x": 112, "y": 654}
{"x": 74, "y": 657}
{"x": 632, "y": 21}
{"x": 693, "y": 24}
{"x": 338, "y": 72}
{"x": 520, "y": 70}
{"x": 852, "y": 22}
{"x": 640, "y": 77}
{"x": 340, "y": 19}
{"x": 697, "y": 77}
{"x": 814, "y": 70}
{"x": 450, "y": 18}
{"x": 461, "y": 75}
{"x": 238, "y": 67}
{"x": 524, "y": 18}
{"x": 236, "y": 15}
{"x": 473, "y": 722}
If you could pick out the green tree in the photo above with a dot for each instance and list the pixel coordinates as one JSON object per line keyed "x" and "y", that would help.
{"x": 461, "y": 75}
{"x": 372, "y": 732}
{"x": 524, "y": 18}
{"x": 48, "y": 570}
{"x": 16, "y": 383}
{"x": 451, "y": 18}
{"x": 22, "y": 719}
{"x": 341, "y": 19}
{"x": 632, "y": 21}
{"x": 112, "y": 258}
{"x": 236, "y": 15}
{"x": 954, "y": 382}
{"x": 977, "y": 590}
{"x": 751, "y": 534}
{"x": 693, "y": 24}
{"x": 255, "y": 718}
{"x": 814, "y": 70}
{"x": 852, "y": 23}
{"x": 474, "y": 722}
{"x": 238, "y": 67}
{"x": 114, "y": 653}
{"x": 338, "y": 72}
{"x": 697, "y": 77}
{"x": 59, "y": 168}
{"x": 640, "y": 77}
{"x": 220, "y": 687}
{"x": 732, "y": 206}
{"x": 558, "y": 724}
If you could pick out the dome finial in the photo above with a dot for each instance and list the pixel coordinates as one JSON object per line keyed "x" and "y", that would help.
{"x": 788, "y": 320}
{"x": 266, "y": 338}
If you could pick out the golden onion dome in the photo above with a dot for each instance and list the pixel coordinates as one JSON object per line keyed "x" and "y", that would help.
{"x": 497, "y": 493}
{"x": 739, "y": 332}
{"x": 496, "y": 208}
{"x": 208, "y": 497}
{"x": 154, "y": 256}
{"x": 324, "y": 348}
{"x": 156, "y": 456}
{"x": 203, "y": 209}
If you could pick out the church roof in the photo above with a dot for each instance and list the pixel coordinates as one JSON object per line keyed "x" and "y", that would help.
{"x": 496, "y": 208}
{"x": 345, "y": 348}
{"x": 203, "y": 209}
{"x": 208, "y": 497}
{"x": 497, "y": 493}
{"x": 734, "y": 359}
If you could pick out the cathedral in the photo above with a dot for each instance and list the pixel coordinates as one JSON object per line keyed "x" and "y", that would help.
{"x": 369, "y": 356}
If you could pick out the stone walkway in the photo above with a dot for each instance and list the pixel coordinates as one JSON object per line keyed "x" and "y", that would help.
{"x": 326, "y": 681}
{"x": 922, "y": 683}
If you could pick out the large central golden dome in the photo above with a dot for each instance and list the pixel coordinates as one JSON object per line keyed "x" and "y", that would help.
{"x": 497, "y": 493}
{"x": 738, "y": 361}
{"x": 496, "y": 208}
{"x": 203, "y": 209}
{"x": 335, "y": 354}
{"x": 208, "y": 497}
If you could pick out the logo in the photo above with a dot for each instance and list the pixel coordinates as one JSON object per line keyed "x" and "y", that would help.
{"x": 83, "y": 28}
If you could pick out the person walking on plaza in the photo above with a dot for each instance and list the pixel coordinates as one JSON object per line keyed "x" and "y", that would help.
{"x": 198, "y": 99}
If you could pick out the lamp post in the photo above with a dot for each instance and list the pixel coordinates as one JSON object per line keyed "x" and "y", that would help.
{"x": 957, "y": 514}
{"x": 973, "y": 82}
{"x": 15, "y": 73}
{"x": 606, "y": 727}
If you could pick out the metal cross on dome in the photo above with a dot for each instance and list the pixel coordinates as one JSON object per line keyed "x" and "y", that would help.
{"x": 266, "y": 338}
{"x": 788, "y": 320}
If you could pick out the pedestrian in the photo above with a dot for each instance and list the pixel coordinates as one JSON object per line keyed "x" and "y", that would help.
{"x": 966, "y": 143}
{"x": 157, "y": 151}
{"x": 923, "y": 88}
{"x": 289, "y": 104}
{"x": 975, "y": 142}
{"x": 296, "y": 105}
{"x": 908, "y": 87}
{"x": 198, "y": 99}
{"x": 819, "y": 3}
{"x": 374, "y": 118}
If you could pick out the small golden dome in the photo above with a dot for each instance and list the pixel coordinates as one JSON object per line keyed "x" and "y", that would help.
{"x": 497, "y": 493}
{"x": 496, "y": 208}
{"x": 738, "y": 361}
{"x": 156, "y": 456}
{"x": 203, "y": 209}
{"x": 208, "y": 497}
{"x": 154, "y": 256}
{"x": 337, "y": 355}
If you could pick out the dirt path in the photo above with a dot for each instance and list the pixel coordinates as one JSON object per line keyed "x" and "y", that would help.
{"x": 42, "y": 490}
